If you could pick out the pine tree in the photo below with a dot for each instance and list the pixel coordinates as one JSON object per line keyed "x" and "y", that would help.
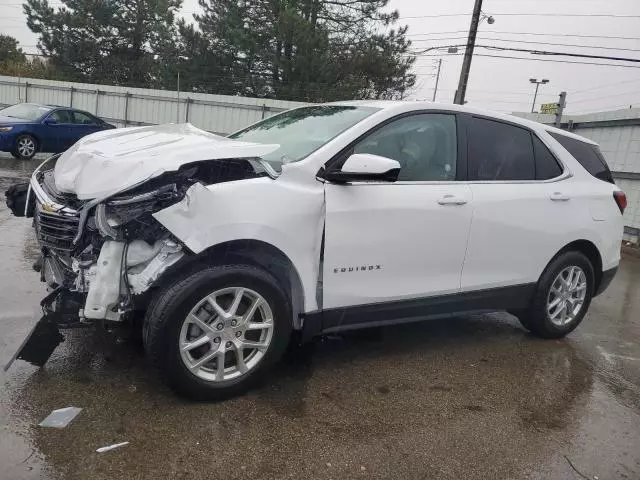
{"x": 310, "y": 50}
{"x": 119, "y": 42}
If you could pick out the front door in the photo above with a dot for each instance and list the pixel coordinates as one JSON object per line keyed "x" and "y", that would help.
{"x": 399, "y": 241}
{"x": 60, "y": 133}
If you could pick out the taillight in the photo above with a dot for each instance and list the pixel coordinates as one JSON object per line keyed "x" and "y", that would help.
{"x": 621, "y": 200}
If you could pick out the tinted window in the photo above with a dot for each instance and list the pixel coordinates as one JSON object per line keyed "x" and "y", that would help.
{"x": 588, "y": 155}
{"x": 546, "y": 165}
{"x": 425, "y": 145}
{"x": 61, "y": 116}
{"x": 83, "y": 118}
{"x": 498, "y": 151}
{"x": 303, "y": 130}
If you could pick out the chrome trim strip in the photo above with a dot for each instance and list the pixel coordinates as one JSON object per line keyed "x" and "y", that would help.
{"x": 566, "y": 175}
{"x": 42, "y": 196}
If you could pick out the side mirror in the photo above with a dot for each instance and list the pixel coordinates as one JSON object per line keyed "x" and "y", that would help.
{"x": 365, "y": 167}
{"x": 50, "y": 121}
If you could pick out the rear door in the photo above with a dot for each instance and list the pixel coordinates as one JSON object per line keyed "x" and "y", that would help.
{"x": 84, "y": 124}
{"x": 523, "y": 208}
{"x": 404, "y": 240}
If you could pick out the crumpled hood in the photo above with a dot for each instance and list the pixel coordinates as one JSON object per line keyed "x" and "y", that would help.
{"x": 110, "y": 161}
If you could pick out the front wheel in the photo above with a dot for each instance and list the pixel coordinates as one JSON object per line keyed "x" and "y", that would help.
{"x": 214, "y": 333}
{"x": 562, "y": 296}
{"x": 26, "y": 147}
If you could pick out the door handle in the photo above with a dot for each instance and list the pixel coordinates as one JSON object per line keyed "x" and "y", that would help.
{"x": 559, "y": 197}
{"x": 451, "y": 200}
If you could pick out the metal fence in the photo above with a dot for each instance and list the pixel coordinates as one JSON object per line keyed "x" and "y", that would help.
{"x": 125, "y": 106}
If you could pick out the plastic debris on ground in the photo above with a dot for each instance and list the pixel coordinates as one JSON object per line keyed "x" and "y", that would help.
{"x": 60, "y": 418}
{"x": 111, "y": 447}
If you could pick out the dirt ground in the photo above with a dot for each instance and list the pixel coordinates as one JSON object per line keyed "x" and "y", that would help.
{"x": 473, "y": 397}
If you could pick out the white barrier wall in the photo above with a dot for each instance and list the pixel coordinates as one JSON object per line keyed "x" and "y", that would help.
{"x": 142, "y": 106}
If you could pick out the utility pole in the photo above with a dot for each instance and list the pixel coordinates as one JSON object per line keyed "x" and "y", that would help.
{"x": 435, "y": 90}
{"x": 535, "y": 95}
{"x": 178, "y": 100}
{"x": 468, "y": 54}
{"x": 561, "y": 104}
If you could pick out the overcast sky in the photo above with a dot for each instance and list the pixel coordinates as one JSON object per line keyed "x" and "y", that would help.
{"x": 500, "y": 83}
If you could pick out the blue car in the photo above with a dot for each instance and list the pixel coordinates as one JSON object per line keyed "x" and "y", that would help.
{"x": 29, "y": 128}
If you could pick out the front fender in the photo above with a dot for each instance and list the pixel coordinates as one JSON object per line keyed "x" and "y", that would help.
{"x": 284, "y": 214}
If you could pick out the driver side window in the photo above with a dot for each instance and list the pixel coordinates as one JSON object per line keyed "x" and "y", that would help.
{"x": 425, "y": 145}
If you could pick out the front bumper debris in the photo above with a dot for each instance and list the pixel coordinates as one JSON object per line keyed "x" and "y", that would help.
{"x": 39, "y": 344}
{"x": 60, "y": 310}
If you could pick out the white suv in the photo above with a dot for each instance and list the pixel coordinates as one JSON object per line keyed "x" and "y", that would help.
{"x": 321, "y": 219}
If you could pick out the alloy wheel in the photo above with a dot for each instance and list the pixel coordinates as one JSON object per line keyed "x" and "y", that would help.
{"x": 226, "y": 334}
{"x": 26, "y": 147}
{"x": 566, "y": 295}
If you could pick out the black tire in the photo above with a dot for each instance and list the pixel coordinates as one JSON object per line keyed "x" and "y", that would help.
{"x": 535, "y": 318}
{"x": 169, "y": 308}
{"x": 25, "y": 137}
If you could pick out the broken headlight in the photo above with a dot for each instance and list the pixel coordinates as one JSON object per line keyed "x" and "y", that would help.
{"x": 122, "y": 209}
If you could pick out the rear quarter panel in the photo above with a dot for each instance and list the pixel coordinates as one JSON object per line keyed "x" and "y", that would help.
{"x": 606, "y": 227}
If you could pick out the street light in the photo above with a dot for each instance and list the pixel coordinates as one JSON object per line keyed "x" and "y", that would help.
{"x": 535, "y": 95}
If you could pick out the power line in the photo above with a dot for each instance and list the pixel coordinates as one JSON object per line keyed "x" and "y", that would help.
{"x": 560, "y": 54}
{"x": 607, "y": 15}
{"x": 605, "y": 96}
{"x": 530, "y": 33}
{"x": 636, "y": 80}
{"x": 534, "y": 42}
{"x": 621, "y": 107}
{"x": 436, "y": 33}
{"x": 555, "y": 61}
{"x": 537, "y": 52}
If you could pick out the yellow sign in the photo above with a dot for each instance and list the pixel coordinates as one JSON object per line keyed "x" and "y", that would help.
{"x": 551, "y": 108}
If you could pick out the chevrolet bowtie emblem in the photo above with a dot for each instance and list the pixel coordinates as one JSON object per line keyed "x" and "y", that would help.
{"x": 47, "y": 207}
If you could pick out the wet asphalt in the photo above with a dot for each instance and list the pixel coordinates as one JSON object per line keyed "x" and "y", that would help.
{"x": 473, "y": 397}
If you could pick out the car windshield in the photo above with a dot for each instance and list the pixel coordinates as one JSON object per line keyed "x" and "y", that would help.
{"x": 25, "y": 111}
{"x": 301, "y": 131}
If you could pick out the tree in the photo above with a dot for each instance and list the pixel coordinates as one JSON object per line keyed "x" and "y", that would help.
{"x": 313, "y": 50}
{"x": 9, "y": 50}
{"x": 119, "y": 42}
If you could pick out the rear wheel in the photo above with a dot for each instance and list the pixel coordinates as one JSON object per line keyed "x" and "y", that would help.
{"x": 214, "y": 333}
{"x": 25, "y": 148}
{"x": 562, "y": 297}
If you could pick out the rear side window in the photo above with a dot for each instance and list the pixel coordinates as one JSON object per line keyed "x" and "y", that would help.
{"x": 498, "y": 151}
{"x": 83, "y": 119}
{"x": 61, "y": 116}
{"x": 547, "y": 166}
{"x": 588, "y": 155}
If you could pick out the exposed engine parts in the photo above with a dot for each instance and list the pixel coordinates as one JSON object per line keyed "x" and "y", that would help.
{"x": 112, "y": 249}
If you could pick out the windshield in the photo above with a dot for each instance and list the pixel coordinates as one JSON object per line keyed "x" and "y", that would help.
{"x": 301, "y": 131}
{"x": 25, "y": 111}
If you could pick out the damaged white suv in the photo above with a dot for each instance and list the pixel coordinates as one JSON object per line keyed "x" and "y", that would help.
{"x": 320, "y": 219}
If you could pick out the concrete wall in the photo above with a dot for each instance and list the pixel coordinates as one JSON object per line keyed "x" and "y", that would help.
{"x": 125, "y": 106}
{"x": 618, "y": 134}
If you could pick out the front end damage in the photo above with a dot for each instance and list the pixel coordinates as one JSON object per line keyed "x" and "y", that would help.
{"x": 101, "y": 257}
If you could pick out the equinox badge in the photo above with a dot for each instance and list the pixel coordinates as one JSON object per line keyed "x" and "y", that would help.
{"x": 361, "y": 268}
